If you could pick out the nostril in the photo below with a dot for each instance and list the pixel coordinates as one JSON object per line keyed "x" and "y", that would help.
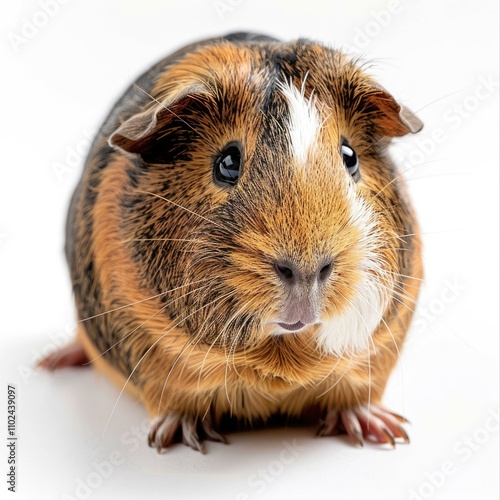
{"x": 284, "y": 272}
{"x": 325, "y": 271}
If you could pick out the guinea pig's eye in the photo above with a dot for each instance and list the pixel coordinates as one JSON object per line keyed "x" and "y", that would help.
{"x": 227, "y": 165}
{"x": 351, "y": 161}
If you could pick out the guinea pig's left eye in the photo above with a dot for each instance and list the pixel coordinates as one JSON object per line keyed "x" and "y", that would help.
{"x": 351, "y": 161}
{"x": 227, "y": 165}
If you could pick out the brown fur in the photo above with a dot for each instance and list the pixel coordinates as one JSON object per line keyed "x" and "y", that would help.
{"x": 182, "y": 321}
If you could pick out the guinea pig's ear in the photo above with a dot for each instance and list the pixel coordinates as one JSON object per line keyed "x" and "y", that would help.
{"x": 393, "y": 119}
{"x": 136, "y": 134}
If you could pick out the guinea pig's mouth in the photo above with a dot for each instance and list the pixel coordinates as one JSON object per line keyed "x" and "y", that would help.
{"x": 295, "y": 327}
{"x": 277, "y": 327}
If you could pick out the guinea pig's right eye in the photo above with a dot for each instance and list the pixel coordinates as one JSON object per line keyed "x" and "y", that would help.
{"x": 227, "y": 165}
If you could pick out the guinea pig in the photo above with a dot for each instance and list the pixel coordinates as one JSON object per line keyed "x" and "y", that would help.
{"x": 242, "y": 246}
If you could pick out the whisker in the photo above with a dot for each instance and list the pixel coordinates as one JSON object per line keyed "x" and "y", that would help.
{"x": 443, "y": 231}
{"x": 147, "y": 352}
{"x": 399, "y": 360}
{"x": 143, "y": 323}
{"x": 339, "y": 359}
{"x": 410, "y": 277}
{"x": 221, "y": 333}
{"x": 369, "y": 384}
{"x": 139, "y": 301}
{"x": 338, "y": 380}
{"x": 159, "y": 239}
{"x": 190, "y": 341}
{"x": 183, "y": 208}
{"x": 399, "y": 176}
{"x": 362, "y": 319}
{"x": 228, "y": 355}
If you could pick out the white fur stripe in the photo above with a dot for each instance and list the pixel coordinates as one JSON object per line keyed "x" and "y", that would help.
{"x": 304, "y": 122}
{"x": 350, "y": 331}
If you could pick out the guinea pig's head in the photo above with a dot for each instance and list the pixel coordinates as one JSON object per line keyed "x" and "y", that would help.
{"x": 264, "y": 202}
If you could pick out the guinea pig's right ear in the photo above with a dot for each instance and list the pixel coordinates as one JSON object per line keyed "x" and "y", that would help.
{"x": 136, "y": 134}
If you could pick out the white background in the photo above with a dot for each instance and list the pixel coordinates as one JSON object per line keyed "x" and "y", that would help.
{"x": 438, "y": 57}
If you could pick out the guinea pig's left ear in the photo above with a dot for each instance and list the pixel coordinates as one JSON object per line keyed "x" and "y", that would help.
{"x": 137, "y": 134}
{"x": 392, "y": 118}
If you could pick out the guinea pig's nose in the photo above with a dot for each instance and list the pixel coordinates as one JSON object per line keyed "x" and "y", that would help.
{"x": 286, "y": 271}
{"x": 290, "y": 273}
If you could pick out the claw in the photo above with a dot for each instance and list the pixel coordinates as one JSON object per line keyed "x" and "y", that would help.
{"x": 366, "y": 423}
{"x": 163, "y": 431}
{"x": 329, "y": 425}
{"x": 352, "y": 426}
{"x": 71, "y": 354}
{"x": 392, "y": 421}
{"x": 170, "y": 429}
{"x": 211, "y": 434}
{"x": 389, "y": 438}
{"x": 190, "y": 435}
{"x": 398, "y": 417}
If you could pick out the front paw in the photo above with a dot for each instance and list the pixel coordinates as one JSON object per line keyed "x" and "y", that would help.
{"x": 190, "y": 430}
{"x": 373, "y": 423}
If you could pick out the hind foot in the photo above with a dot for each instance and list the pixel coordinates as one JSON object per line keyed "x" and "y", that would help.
{"x": 71, "y": 354}
{"x": 372, "y": 423}
{"x": 173, "y": 428}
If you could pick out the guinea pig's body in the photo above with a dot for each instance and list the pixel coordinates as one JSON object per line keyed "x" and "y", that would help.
{"x": 241, "y": 244}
